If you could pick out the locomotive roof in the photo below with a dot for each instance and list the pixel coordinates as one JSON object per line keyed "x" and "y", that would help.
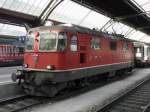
{"x": 137, "y": 43}
{"x": 75, "y": 28}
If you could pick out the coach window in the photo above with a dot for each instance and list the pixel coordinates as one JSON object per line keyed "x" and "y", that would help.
{"x": 113, "y": 45}
{"x": 95, "y": 43}
{"x": 17, "y": 50}
{"x": 21, "y": 50}
{"x": 62, "y": 41}
{"x": 0, "y": 50}
{"x": 7, "y": 50}
{"x": 74, "y": 43}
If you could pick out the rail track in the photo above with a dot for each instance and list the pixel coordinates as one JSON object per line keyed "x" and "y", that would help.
{"x": 136, "y": 100}
{"x": 20, "y": 103}
{"x": 26, "y": 102}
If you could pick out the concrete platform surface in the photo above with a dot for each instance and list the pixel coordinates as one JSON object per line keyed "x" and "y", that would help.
{"x": 5, "y": 73}
{"x": 94, "y": 100}
{"x": 9, "y": 90}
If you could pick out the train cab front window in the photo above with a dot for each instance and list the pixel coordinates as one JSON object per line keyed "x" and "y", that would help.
{"x": 48, "y": 41}
{"x": 62, "y": 42}
{"x": 30, "y": 42}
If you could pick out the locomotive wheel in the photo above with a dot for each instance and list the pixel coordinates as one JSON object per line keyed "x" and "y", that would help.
{"x": 111, "y": 74}
{"x": 49, "y": 91}
{"x": 82, "y": 82}
{"x": 28, "y": 88}
{"x": 130, "y": 69}
{"x": 44, "y": 90}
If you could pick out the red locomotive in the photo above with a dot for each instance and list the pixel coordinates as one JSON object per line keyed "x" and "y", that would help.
{"x": 59, "y": 55}
{"x": 10, "y": 55}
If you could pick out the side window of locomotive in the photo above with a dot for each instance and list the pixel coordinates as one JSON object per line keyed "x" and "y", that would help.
{"x": 74, "y": 43}
{"x": 125, "y": 46}
{"x": 62, "y": 42}
{"x": 95, "y": 43}
{"x": 113, "y": 45}
{"x": 30, "y": 42}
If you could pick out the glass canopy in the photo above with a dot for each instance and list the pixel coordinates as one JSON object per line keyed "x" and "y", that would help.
{"x": 127, "y": 31}
{"x": 71, "y": 12}
{"x": 143, "y": 4}
{"x": 32, "y": 7}
{"x": 6, "y": 29}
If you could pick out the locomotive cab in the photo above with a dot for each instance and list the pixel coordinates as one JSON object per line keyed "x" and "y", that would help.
{"x": 44, "y": 49}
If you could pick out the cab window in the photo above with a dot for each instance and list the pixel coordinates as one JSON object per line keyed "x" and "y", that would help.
{"x": 48, "y": 41}
{"x": 62, "y": 42}
{"x": 30, "y": 42}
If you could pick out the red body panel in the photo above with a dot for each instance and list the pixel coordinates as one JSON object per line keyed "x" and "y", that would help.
{"x": 71, "y": 60}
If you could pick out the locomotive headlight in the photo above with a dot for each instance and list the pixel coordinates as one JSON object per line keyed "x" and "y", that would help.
{"x": 25, "y": 65}
{"x": 49, "y": 67}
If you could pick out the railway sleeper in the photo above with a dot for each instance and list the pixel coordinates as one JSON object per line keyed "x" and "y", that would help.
{"x": 137, "y": 99}
{"x": 137, "y": 96}
{"x": 131, "y": 105}
{"x": 136, "y": 102}
{"x": 122, "y": 108}
{"x": 142, "y": 93}
{"x": 144, "y": 89}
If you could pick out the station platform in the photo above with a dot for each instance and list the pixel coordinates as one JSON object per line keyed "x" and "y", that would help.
{"x": 96, "y": 99}
{"x": 5, "y": 73}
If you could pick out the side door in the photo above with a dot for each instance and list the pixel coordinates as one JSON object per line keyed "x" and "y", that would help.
{"x": 113, "y": 48}
{"x": 83, "y": 49}
{"x": 72, "y": 57}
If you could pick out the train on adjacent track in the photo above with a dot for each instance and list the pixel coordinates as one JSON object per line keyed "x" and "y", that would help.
{"x": 142, "y": 54}
{"x": 11, "y": 55}
{"x": 60, "y": 56}
{"x": 11, "y": 50}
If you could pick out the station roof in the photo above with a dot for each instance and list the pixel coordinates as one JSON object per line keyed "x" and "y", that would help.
{"x": 30, "y": 7}
{"x": 133, "y": 15}
{"x": 7, "y": 29}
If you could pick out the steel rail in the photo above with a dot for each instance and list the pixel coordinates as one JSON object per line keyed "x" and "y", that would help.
{"x": 136, "y": 99}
